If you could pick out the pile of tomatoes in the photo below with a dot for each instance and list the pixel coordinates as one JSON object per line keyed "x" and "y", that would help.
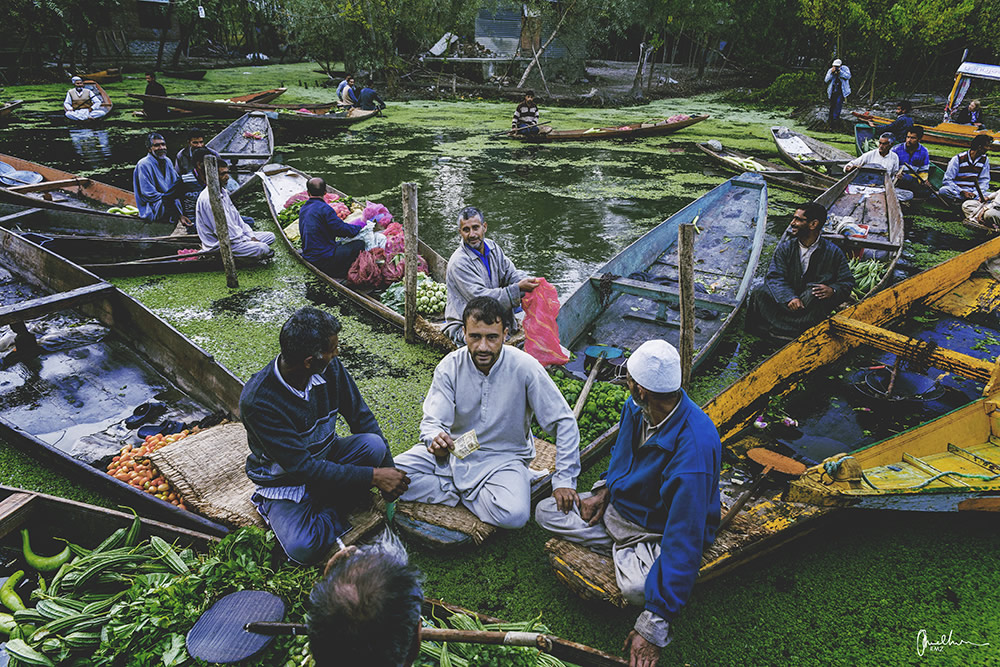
{"x": 133, "y": 467}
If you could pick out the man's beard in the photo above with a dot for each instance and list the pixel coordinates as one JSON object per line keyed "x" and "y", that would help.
{"x": 643, "y": 405}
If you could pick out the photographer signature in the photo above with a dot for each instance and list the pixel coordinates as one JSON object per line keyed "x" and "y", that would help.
{"x": 946, "y": 640}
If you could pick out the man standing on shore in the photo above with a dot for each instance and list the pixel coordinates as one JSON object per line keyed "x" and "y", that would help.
{"x": 838, "y": 87}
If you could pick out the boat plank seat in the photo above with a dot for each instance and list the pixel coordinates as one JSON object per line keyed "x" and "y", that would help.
{"x": 975, "y": 458}
{"x": 15, "y": 218}
{"x": 928, "y": 469}
{"x": 978, "y": 294}
{"x": 33, "y": 308}
{"x": 665, "y": 296}
{"x": 873, "y": 243}
{"x": 51, "y": 185}
{"x": 14, "y": 510}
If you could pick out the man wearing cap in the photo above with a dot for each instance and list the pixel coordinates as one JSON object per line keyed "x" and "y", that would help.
{"x": 808, "y": 277}
{"x": 493, "y": 390}
{"x": 656, "y": 508}
{"x": 838, "y": 87}
{"x": 83, "y": 103}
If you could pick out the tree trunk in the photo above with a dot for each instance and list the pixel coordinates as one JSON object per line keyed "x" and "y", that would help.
{"x": 673, "y": 54}
{"x": 555, "y": 31}
{"x": 703, "y": 60}
{"x": 636, "y": 90}
{"x": 871, "y": 92}
{"x": 163, "y": 36}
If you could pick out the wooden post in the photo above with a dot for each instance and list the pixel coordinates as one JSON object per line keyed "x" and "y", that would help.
{"x": 410, "y": 259}
{"x": 221, "y": 226}
{"x": 685, "y": 255}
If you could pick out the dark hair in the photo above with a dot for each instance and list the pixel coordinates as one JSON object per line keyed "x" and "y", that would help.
{"x": 316, "y": 187}
{"x": 529, "y": 93}
{"x": 470, "y": 212}
{"x": 814, "y": 211}
{"x": 980, "y": 141}
{"x": 195, "y": 132}
{"x": 151, "y": 137}
{"x": 487, "y": 310}
{"x": 151, "y": 75}
{"x": 366, "y": 611}
{"x": 917, "y": 130}
{"x": 905, "y": 105}
{"x": 307, "y": 333}
{"x": 199, "y": 159}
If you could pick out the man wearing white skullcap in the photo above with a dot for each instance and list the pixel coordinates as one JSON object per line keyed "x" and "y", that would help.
{"x": 83, "y": 103}
{"x": 655, "y": 510}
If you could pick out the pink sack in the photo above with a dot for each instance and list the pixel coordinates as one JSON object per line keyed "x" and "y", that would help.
{"x": 541, "y": 333}
{"x": 365, "y": 271}
{"x": 393, "y": 229}
{"x": 341, "y": 210}
{"x": 379, "y": 213}
{"x": 395, "y": 267}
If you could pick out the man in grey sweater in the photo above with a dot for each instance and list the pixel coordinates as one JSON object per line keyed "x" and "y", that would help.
{"x": 478, "y": 267}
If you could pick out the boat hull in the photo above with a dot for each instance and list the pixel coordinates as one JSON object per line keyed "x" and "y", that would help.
{"x": 622, "y": 132}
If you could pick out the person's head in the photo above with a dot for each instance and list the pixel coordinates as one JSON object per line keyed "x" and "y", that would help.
{"x": 77, "y": 82}
{"x": 309, "y": 340}
{"x": 885, "y": 143}
{"x": 156, "y": 145}
{"x": 980, "y": 144}
{"x": 974, "y": 104}
{"x": 837, "y": 63}
{"x": 366, "y": 611}
{"x": 350, "y": 81}
{"x": 472, "y": 227}
{"x": 653, "y": 374}
{"x": 316, "y": 187}
{"x": 198, "y": 157}
{"x": 485, "y": 323}
{"x": 913, "y": 137}
{"x": 529, "y": 96}
{"x": 195, "y": 138}
{"x": 150, "y": 77}
{"x": 808, "y": 221}
{"x": 904, "y": 106}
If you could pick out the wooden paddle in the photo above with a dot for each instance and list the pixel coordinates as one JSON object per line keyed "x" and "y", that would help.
{"x": 771, "y": 461}
{"x": 928, "y": 185}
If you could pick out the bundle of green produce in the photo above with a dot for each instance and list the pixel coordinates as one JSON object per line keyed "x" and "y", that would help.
{"x": 747, "y": 164}
{"x": 433, "y": 654}
{"x": 602, "y": 410}
{"x": 431, "y": 296}
{"x": 868, "y": 274}
{"x": 124, "y": 210}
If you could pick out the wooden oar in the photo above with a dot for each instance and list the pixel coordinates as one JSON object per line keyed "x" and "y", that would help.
{"x": 582, "y": 399}
{"x": 928, "y": 185}
{"x": 771, "y": 461}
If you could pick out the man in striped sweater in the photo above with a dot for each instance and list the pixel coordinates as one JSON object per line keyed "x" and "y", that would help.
{"x": 968, "y": 173}
{"x": 526, "y": 115}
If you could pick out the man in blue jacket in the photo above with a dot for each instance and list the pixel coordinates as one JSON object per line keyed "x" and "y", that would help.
{"x": 838, "y": 87}
{"x": 308, "y": 478}
{"x": 656, "y": 509}
{"x": 320, "y": 227}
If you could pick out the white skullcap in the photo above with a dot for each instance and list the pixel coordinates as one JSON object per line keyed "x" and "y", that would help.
{"x": 838, "y": 62}
{"x": 656, "y": 366}
{"x": 75, "y": 79}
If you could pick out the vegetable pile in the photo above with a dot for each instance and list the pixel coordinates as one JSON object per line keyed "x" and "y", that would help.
{"x": 132, "y": 467}
{"x": 746, "y": 164}
{"x": 602, "y": 410}
{"x": 867, "y": 274}
{"x": 431, "y": 296}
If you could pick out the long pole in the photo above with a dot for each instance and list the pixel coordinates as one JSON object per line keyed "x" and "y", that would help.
{"x": 221, "y": 226}
{"x": 685, "y": 253}
{"x": 410, "y": 260}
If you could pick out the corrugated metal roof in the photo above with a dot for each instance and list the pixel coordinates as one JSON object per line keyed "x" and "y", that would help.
{"x": 500, "y": 32}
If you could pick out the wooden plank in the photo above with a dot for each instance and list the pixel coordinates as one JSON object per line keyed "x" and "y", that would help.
{"x": 663, "y": 294}
{"x": 50, "y": 185}
{"x": 28, "y": 310}
{"x": 14, "y": 510}
{"x": 875, "y": 244}
{"x": 974, "y": 458}
{"x": 685, "y": 246}
{"x": 981, "y": 504}
{"x": 890, "y": 341}
{"x": 930, "y": 470}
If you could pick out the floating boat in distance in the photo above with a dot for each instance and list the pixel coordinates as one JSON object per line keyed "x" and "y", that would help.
{"x": 105, "y": 102}
{"x": 8, "y": 108}
{"x": 630, "y": 299}
{"x": 190, "y": 74}
{"x": 110, "y": 75}
{"x": 775, "y": 174}
{"x": 232, "y": 107}
{"x": 247, "y": 144}
{"x": 951, "y": 464}
{"x": 945, "y": 134}
{"x": 864, "y": 141}
{"x": 316, "y": 119}
{"x": 650, "y": 128}
{"x": 808, "y": 154}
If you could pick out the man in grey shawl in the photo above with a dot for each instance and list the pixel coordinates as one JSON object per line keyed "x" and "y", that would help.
{"x": 478, "y": 267}
{"x": 808, "y": 277}
{"x": 494, "y": 390}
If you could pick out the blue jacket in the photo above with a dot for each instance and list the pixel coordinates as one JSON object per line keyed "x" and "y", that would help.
{"x": 669, "y": 485}
{"x": 920, "y": 161}
{"x": 320, "y": 226}
{"x": 154, "y": 183}
{"x": 844, "y": 79}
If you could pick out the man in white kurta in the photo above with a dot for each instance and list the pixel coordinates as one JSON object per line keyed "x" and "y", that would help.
{"x": 883, "y": 156}
{"x": 83, "y": 103}
{"x": 243, "y": 240}
{"x": 494, "y": 389}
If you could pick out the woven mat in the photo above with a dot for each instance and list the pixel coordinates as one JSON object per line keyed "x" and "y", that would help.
{"x": 221, "y": 490}
{"x": 545, "y": 456}
{"x": 586, "y": 573}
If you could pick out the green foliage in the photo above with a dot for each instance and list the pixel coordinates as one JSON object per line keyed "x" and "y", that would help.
{"x": 602, "y": 410}
{"x": 791, "y": 89}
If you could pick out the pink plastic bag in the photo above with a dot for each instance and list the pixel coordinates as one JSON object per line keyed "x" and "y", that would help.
{"x": 541, "y": 333}
{"x": 379, "y": 213}
{"x": 366, "y": 270}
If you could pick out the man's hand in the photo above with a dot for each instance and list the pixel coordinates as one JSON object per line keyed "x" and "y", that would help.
{"x": 848, "y": 168}
{"x": 795, "y": 304}
{"x": 967, "y": 195}
{"x": 641, "y": 652}
{"x": 186, "y": 221}
{"x": 392, "y": 482}
{"x": 592, "y": 508}
{"x": 528, "y": 284}
{"x": 822, "y": 291}
{"x": 565, "y": 499}
{"x": 441, "y": 445}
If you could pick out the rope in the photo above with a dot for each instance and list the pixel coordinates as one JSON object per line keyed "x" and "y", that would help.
{"x": 983, "y": 478}
{"x": 604, "y": 290}
{"x": 833, "y": 467}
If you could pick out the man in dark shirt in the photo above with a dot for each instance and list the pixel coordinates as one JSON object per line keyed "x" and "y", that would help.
{"x": 369, "y": 100}
{"x": 308, "y": 478}
{"x": 899, "y": 127}
{"x": 525, "y": 119}
{"x": 320, "y": 228}
{"x": 153, "y": 87}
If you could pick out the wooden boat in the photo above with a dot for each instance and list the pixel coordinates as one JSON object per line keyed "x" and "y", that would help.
{"x": 233, "y": 107}
{"x": 190, "y": 74}
{"x": 317, "y": 119}
{"x": 66, "y": 406}
{"x": 945, "y": 134}
{"x": 775, "y": 174}
{"x": 280, "y": 183}
{"x": 68, "y": 192}
{"x": 911, "y": 470}
{"x": 247, "y": 144}
{"x": 650, "y": 128}
{"x": 8, "y": 108}
{"x": 110, "y": 75}
{"x": 935, "y": 318}
{"x": 810, "y": 155}
{"x": 865, "y": 199}
{"x": 864, "y": 140}
{"x": 627, "y": 301}
{"x": 105, "y": 102}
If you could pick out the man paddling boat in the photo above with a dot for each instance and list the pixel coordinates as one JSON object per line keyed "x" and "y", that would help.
{"x": 525, "y": 119}
{"x": 912, "y": 153}
{"x": 968, "y": 173}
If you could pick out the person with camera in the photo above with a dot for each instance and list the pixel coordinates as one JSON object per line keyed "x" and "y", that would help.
{"x": 838, "y": 87}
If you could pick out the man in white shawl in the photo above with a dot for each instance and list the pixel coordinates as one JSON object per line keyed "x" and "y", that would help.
{"x": 83, "y": 103}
